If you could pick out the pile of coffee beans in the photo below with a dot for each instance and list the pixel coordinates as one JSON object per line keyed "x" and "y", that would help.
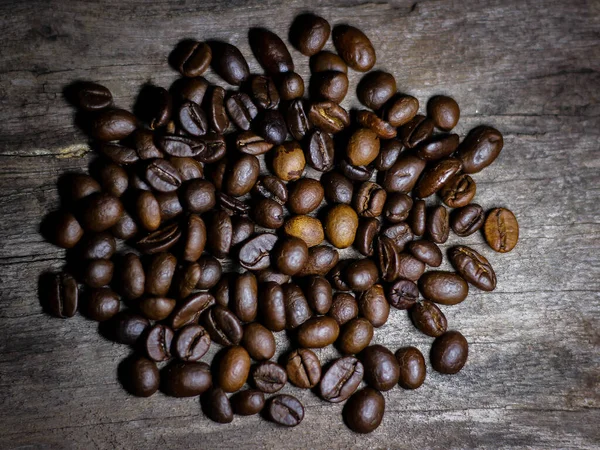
{"x": 183, "y": 184}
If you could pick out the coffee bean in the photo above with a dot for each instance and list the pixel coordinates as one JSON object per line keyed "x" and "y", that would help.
{"x": 126, "y": 327}
{"x": 382, "y": 370}
{"x": 449, "y": 352}
{"x": 438, "y": 224}
{"x": 271, "y": 187}
{"x": 397, "y": 207}
{"x": 159, "y": 274}
{"x": 258, "y": 341}
{"x": 189, "y": 310}
{"x": 80, "y": 186}
{"x": 445, "y": 288}
{"x": 242, "y": 229}
{"x": 223, "y": 290}
{"x": 234, "y": 367}
{"x": 241, "y": 110}
{"x": 309, "y": 33}
{"x": 297, "y": 310}
{"x": 186, "y": 379}
{"x": 400, "y": 234}
{"x": 307, "y": 228}
{"x": 363, "y": 147}
{"x": 341, "y": 379}
{"x": 403, "y": 294}
{"x": 290, "y": 255}
{"x": 176, "y": 145}
{"x": 229, "y": 63}
{"x": 213, "y": 149}
{"x": 100, "y": 211}
{"x": 169, "y": 205}
{"x": 288, "y": 161}
{"x": 245, "y": 297}
{"x": 419, "y": 129}
{"x": 479, "y": 149}
{"x": 63, "y": 229}
{"x": 156, "y": 308}
{"x": 143, "y": 378}
{"x": 223, "y": 326}
{"x": 318, "y": 294}
{"x": 340, "y": 225}
{"x": 458, "y": 191}
{"x": 290, "y": 86}
{"x": 501, "y": 230}
{"x": 428, "y": 318}
{"x": 185, "y": 280}
{"x": 271, "y": 304}
{"x": 252, "y": 144}
{"x": 403, "y": 175}
{"x": 303, "y": 368}
{"x": 361, "y": 274}
{"x": 473, "y": 267}
{"x": 242, "y": 175}
{"x": 401, "y": 110}
{"x": 355, "y": 336}
{"x": 101, "y": 304}
{"x": 193, "y": 119}
{"x": 159, "y": 241}
{"x": 248, "y": 402}
{"x": 113, "y": 178}
{"x": 438, "y": 147}
{"x": 217, "y": 116}
{"x": 285, "y": 410}
{"x": 63, "y": 295}
{"x": 305, "y": 196}
{"x": 271, "y": 125}
{"x": 325, "y": 61}
{"x": 388, "y": 154}
{"x": 147, "y": 210}
{"x": 192, "y": 343}
{"x": 270, "y": 275}
{"x": 444, "y": 112}
{"x": 191, "y": 58}
{"x": 297, "y": 120}
{"x": 158, "y": 343}
{"x": 356, "y": 173}
{"x": 467, "y": 220}
{"x": 366, "y": 232}
{"x": 344, "y": 308}
{"x": 364, "y": 411}
{"x": 328, "y": 116}
{"x": 369, "y": 199}
{"x": 376, "y": 88}
{"x": 373, "y": 305}
{"x": 338, "y": 188}
{"x": 267, "y": 213}
{"x": 270, "y": 51}
{"x": 412, "y": 367}
{"x": 210, "y": 272}
{"x": 320, "y": 150}
{"x": 332, "y": 86}
{"x": 198, "y": 196}
{"x": 417, "y": 217}
{"x": 388, "y": 258}
{"x": 370, "y": 120}
{"x": 195, "y": 238}
{"x": 264, "y": 92}
{"x": 113, "y": 125}
{"x": 92, "y": 96}
{"x": 98, "y": 273}
{"x": 232, "y": 205}
{"x": 336, "y": 275}
{"x": 255, "y": 253}
{"x": 435, "y": 177}
{"x": 119, "y": 154}
{"x": 190, "y": 89}
{"x": 269, "y": 377}
{"x": 354, "y": 47}
{"x": 162, "y": 176}
{"x": 217, "y": 406}
{"x": 426, "y": 251}
{"x": 321, "y": 260}
{"x": 318, "y": 332}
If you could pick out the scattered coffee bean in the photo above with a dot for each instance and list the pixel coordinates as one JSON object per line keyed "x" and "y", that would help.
{"x": 501, "y": 230}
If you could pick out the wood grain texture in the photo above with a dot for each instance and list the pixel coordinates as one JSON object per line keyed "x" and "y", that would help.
{"x": 529, "y": 68}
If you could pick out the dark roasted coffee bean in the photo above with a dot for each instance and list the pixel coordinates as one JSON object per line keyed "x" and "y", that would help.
{"x": 370, "y": 120}
{"x": 80, "y": 185}
{"x": 244, "y": 297}
{"x": 220, "y": 231}
{"x": 303, "y": 368}
{"x": 142, "y": 377}
{"x": 417, "y": 217}
{"x": 193, "y": 119}
{"x": 364, "y": 411}
{"x": 305, "y": 196}
{"x": 269, "y": 274}
{"x": 412, "y": 367}
{"x": 270, "y": 51}
{"x": 175, "y": 145}
{"x": 188, "y": 168}
{"x": 159, "y": 241}
{"x": 137, "y": 182}
{"x": 159, "y": 107}
{"x": 223, "y": 289}
{"x": 297, "y": 120}
{"x": 252, "y": 144}
{"x": 217, "y": 116}
{"x": 373, "y": 305}
{"x": 217, "y": 406}
{"x": 355, "y": 336}
{"x": 119, "y": 154}
{"x": 449, "y": 352}
{"x": 63, "y": 295}
{"x": 438, "y": 147}
{"x": 321, "y": 260}
{"x": 403, "y": 294}
{"x": 63, "y": 229}
{"x": 268, "y": 213}
{"x": 192, "y": 343}
{"x": 326, "y": 60}
{"x": 270, "y": 124}
{"x": 126, "y": 327}
{"x": 229, "y": 63}
{"x": 428, "y": 318}
{"x": 341, "y": 379}
{"x": 271, "y": 187}
{"x": 186, "y": 379}
{"x": 501, "y": 230}
{"x": 242, "y": 229}
{"x": 338, "y": 188}
{"x": 269, "y": 377}
{"x": 297, "y": 310}
{"x": 318, "y": 332}
{"x": 290, "y": 255}
{"x": 98, "y": 273}
{"x": 290, "y": 86}
{"x": 356, "y": 173}
{"x": 91, "y": 96}
{"x": 369, "y": 199}
{"x": 458, "y": 191}
{"x": 255, "y": 253}
{"x": 159, "y": 274}
{"x": 473, "y": 267}
{"x": 214, "y": 148}
{"x": 248, "y": 402}
{"x": 336, "y": 275}
{"x": 361, "y": 274}
{"x": 388, "y": 154}
{"x": 258, "y": 341}
{"x": 376, "y": 88}
{"x": 445, "y": 288}
{"x": 102, "y": 304}
{"x": 318, "y": 294}
{"x": 309, "y": 33}
{"x": 198, "y": 196}
{"x": 147, "y": 210}
{"x": 388, "y": 257}
{"x": 264, "y": 92}
{"x": 400, "y": 234}
{"x": 190, "y": 89}
{"x": 113, "y": 125}
{"x": 156, "y": 308}
{"x": 145, "y": 146}
{"x": 132, "y": 278}
{"x": 436, "y": 176}
{"x": 409, "y": 267}
{"x": 223, "y": 326}
{"x": 162, "y": 176}
{"x": 328, "y": 116}
{"x": 189, "y": 310}
{"x": 113, "y": 178}
{"x": 191, "y": 58}
{"x": 354, "y": 47}
{"x": 186, "y": 280}
{"x": 403, "y": 175}
{"x": 242, "y": 175}
{"x": 307, "y": 228}
{"x": 332, "y": 86}
{"x": 285, "y": 410}
{"x": 401, "y": 110}
{"x": 340, "y": 225}
{"x": 426, "y": 251}
{"x": 419, "y": 129}
{"x": 232, "y": 205}
{"x": 365, "y": 236}
{"x": 271, "y": 305}
{"x": 241, "y": 110}
{"x": 438, "y": 224}
{"x": 320, "y": 150}
{"x": 100, "y": 211}
{"x": 344, "y": 308}
{"x": 158, "y": 343}
{"x": 397, "y": 207}
{"x": 444, "y": 112}
{"x": 382, "y": 370}
{"x": 363, "y": 147}
{"x": 479, "y": 149}
{"x": 210, "y": 272}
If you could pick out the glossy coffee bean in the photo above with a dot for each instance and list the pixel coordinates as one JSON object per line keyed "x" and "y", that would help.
{"x": 158, "y": 343}
{"x": 63, "y": 229}
{"x": 190, "y": 89}
{"x": 188, "y": 311}
{"x": 191, "y": 343}
{"x": 193, "y": 119}
{"x": 309, "y": 33}
{"x": 449, "y": 352}
{"x": 242, "y": 175}
{"x": 245, "y": 297}
{"x": 216, "y": 405}
{"x": 361, "y": 274}
{"x": 241, "y": 229}
{"x": 354, "y": 47}
{"x": 340, "y": 225}
{"x": 336, "y": 275}
{"x": 217, "y": 115}
{"x": 255, "y": 253}
{"x": 332, "y": 86}
{"x": 297, "y": 310}
{"x": 290, "y": 255}
{"x": 258, "y": 341}
{"x": 369, "y": 199}
{"x": 426, "y": 251}
{"x": 373, "y": 305}
{"x": 132, "y": 279}
{"x": 397, "y": 207}
{"x": 288, "y": 161}
{"x": 367, "y": 230}
{"x": 458, "y": 191}
{"x": 98, "y": 273}
{"x": 418, "y": 130}
{"x": 126, "y": 327}
{"x": 264, "y": 92}
{"x": 403, "y": 175}
{"x": 220, "y": 230}
{"x": 401, "y": 110}
{"x": 268, "y": 213}
{"x": 388, "y": 257}
{"x": 270, "y": 51}
{"x": 363, "y": 147}
{"x": 328, "y": 116}
{"x": 364, "y": 411}
{"x": 290, "y": 86}
{"x": 186, "y": 379}
{"x": 318, "y": 293}
{"x": 248, "y": 402}
{"x": 338, "y": 188}
{"x": 428, "y": 318}
{"x": 382, "y": 370}
{"x": 119, "y": 154}
{"x": 445, "y": 288}
{"x": 191, "y": 58}
{"x": 269, "y": 274}
{"x": 210, "y": 272}
{"x": 375, "y": 89}
{"x": 412, "y": 367}
{"x": 63, "y": 295}
{"x": 180, "y": 145}
{"x": 285, "y": 410}
{"x": 125, "y": 228}
{"x": 113, "y": 125}
{"x": 296, "y": 119}
{"x": 435, "y": 177}
{"x": 198, "y": 196}
{"x": 318, "y": 332}
{"x": 147, "y": 210}
{"x": 269, "y": 377}
{"x": 303, "y": 368}
{"x": 234, "y": 367}
{"x": 271, "y": 125}
{"x": 160, "y": 240}
{"x": 320, "y": 150}
{"x": 169, "y": 205}
{"x": 241, "y": 110}
{"x": 444, "y": 112}
{"x": 388, "y": 154}
{"x": 100, "y": 212}
{"x": 327, "y": 61}
{"x": 272, "y": 188}
{"x": 305, "y": 195}
{"x": 159, "y": 274}
{"x": 438, "y": 147}
{"x": 344, "y": 308}
{"x": 307, "y": 228}
{"x": 145, "y": 146}
{"x": 403, "y": 294}
{"x": 223, "y": 326}
{"x": 370, "y": 120}
{"x": 417, "y": 217}
{"x": 229, "y": 63}
{"x": 321, "y": 259}
{"x": 101, "y": 304}
{"x": 271, "y": 306}
{"x": 341, "y": 379}
{"x": 355, "y": 336}
{"x": 473, "y": 267}
{"x": 194, "y": 239}
{"x": 92, "y": 96}
{"x": 80, "y": 186}
{"x": 501, "y": 230}
{"x": 479, "y": 149}
{"x": 438, "y": 224}
{"x": 252, "y": 144}
{"x": 156, "y": 308}
{"x": 142, "y": 377}
{"x": 400, "y": 234}
{"x": 113, "y": 178}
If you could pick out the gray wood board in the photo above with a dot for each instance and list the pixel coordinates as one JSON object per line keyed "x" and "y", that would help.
{"x": 529, "y": 68}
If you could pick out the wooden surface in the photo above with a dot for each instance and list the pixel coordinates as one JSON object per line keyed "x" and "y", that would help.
{"x": 529, "y": 68}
